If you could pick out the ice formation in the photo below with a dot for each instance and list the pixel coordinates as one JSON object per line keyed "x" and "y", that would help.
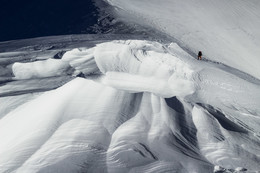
{"x": 143, "y": 106}
{"x": 39, "y": 69}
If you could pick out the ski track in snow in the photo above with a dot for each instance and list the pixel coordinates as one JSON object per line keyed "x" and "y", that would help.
{"x": 142, "y": 106}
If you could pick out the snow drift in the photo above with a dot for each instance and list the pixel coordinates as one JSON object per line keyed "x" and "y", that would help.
{"x": 142, "y": 107}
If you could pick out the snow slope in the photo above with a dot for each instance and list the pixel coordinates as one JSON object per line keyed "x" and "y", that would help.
{"x": 225, "y": 31}
{"x": 143, "y": 106}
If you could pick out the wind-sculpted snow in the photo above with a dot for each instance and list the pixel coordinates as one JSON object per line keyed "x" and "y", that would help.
{"x": 222, "y": 146}
{"x": 143, "y": 67}
{"x": 139, "y": 106}
{"x": 38, "y": 69}
{"x": 225, "y": 31}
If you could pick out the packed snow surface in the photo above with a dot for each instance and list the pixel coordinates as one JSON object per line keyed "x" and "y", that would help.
{"x": 226, "y": 31}
{"x": 142, "y": 106}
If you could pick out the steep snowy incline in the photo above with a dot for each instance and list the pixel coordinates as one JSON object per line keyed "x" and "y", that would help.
{"x": 225, "y": 31}
{"x": 142, "y": 107}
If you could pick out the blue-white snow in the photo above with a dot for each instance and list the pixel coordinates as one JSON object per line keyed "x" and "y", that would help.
{"x": 141, "y": 106}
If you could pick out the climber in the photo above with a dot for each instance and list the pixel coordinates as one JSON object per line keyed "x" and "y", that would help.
{"x": 199, "y": 55}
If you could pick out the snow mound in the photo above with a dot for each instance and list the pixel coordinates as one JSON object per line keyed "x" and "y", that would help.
{"x": 141, "y": 66}
{"x": 39, "y": 69}
{"x": 135, "y": 66}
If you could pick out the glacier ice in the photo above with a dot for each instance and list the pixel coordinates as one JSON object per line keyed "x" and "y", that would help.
{"x": 143, "y": 106}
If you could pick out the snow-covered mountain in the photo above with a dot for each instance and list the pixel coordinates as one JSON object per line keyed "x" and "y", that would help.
{"x": 119, "y": 103}
{"x": 225, "y": 31}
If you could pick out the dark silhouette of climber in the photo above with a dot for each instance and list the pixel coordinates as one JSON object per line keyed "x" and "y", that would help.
{"x": 199, "y": 55}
